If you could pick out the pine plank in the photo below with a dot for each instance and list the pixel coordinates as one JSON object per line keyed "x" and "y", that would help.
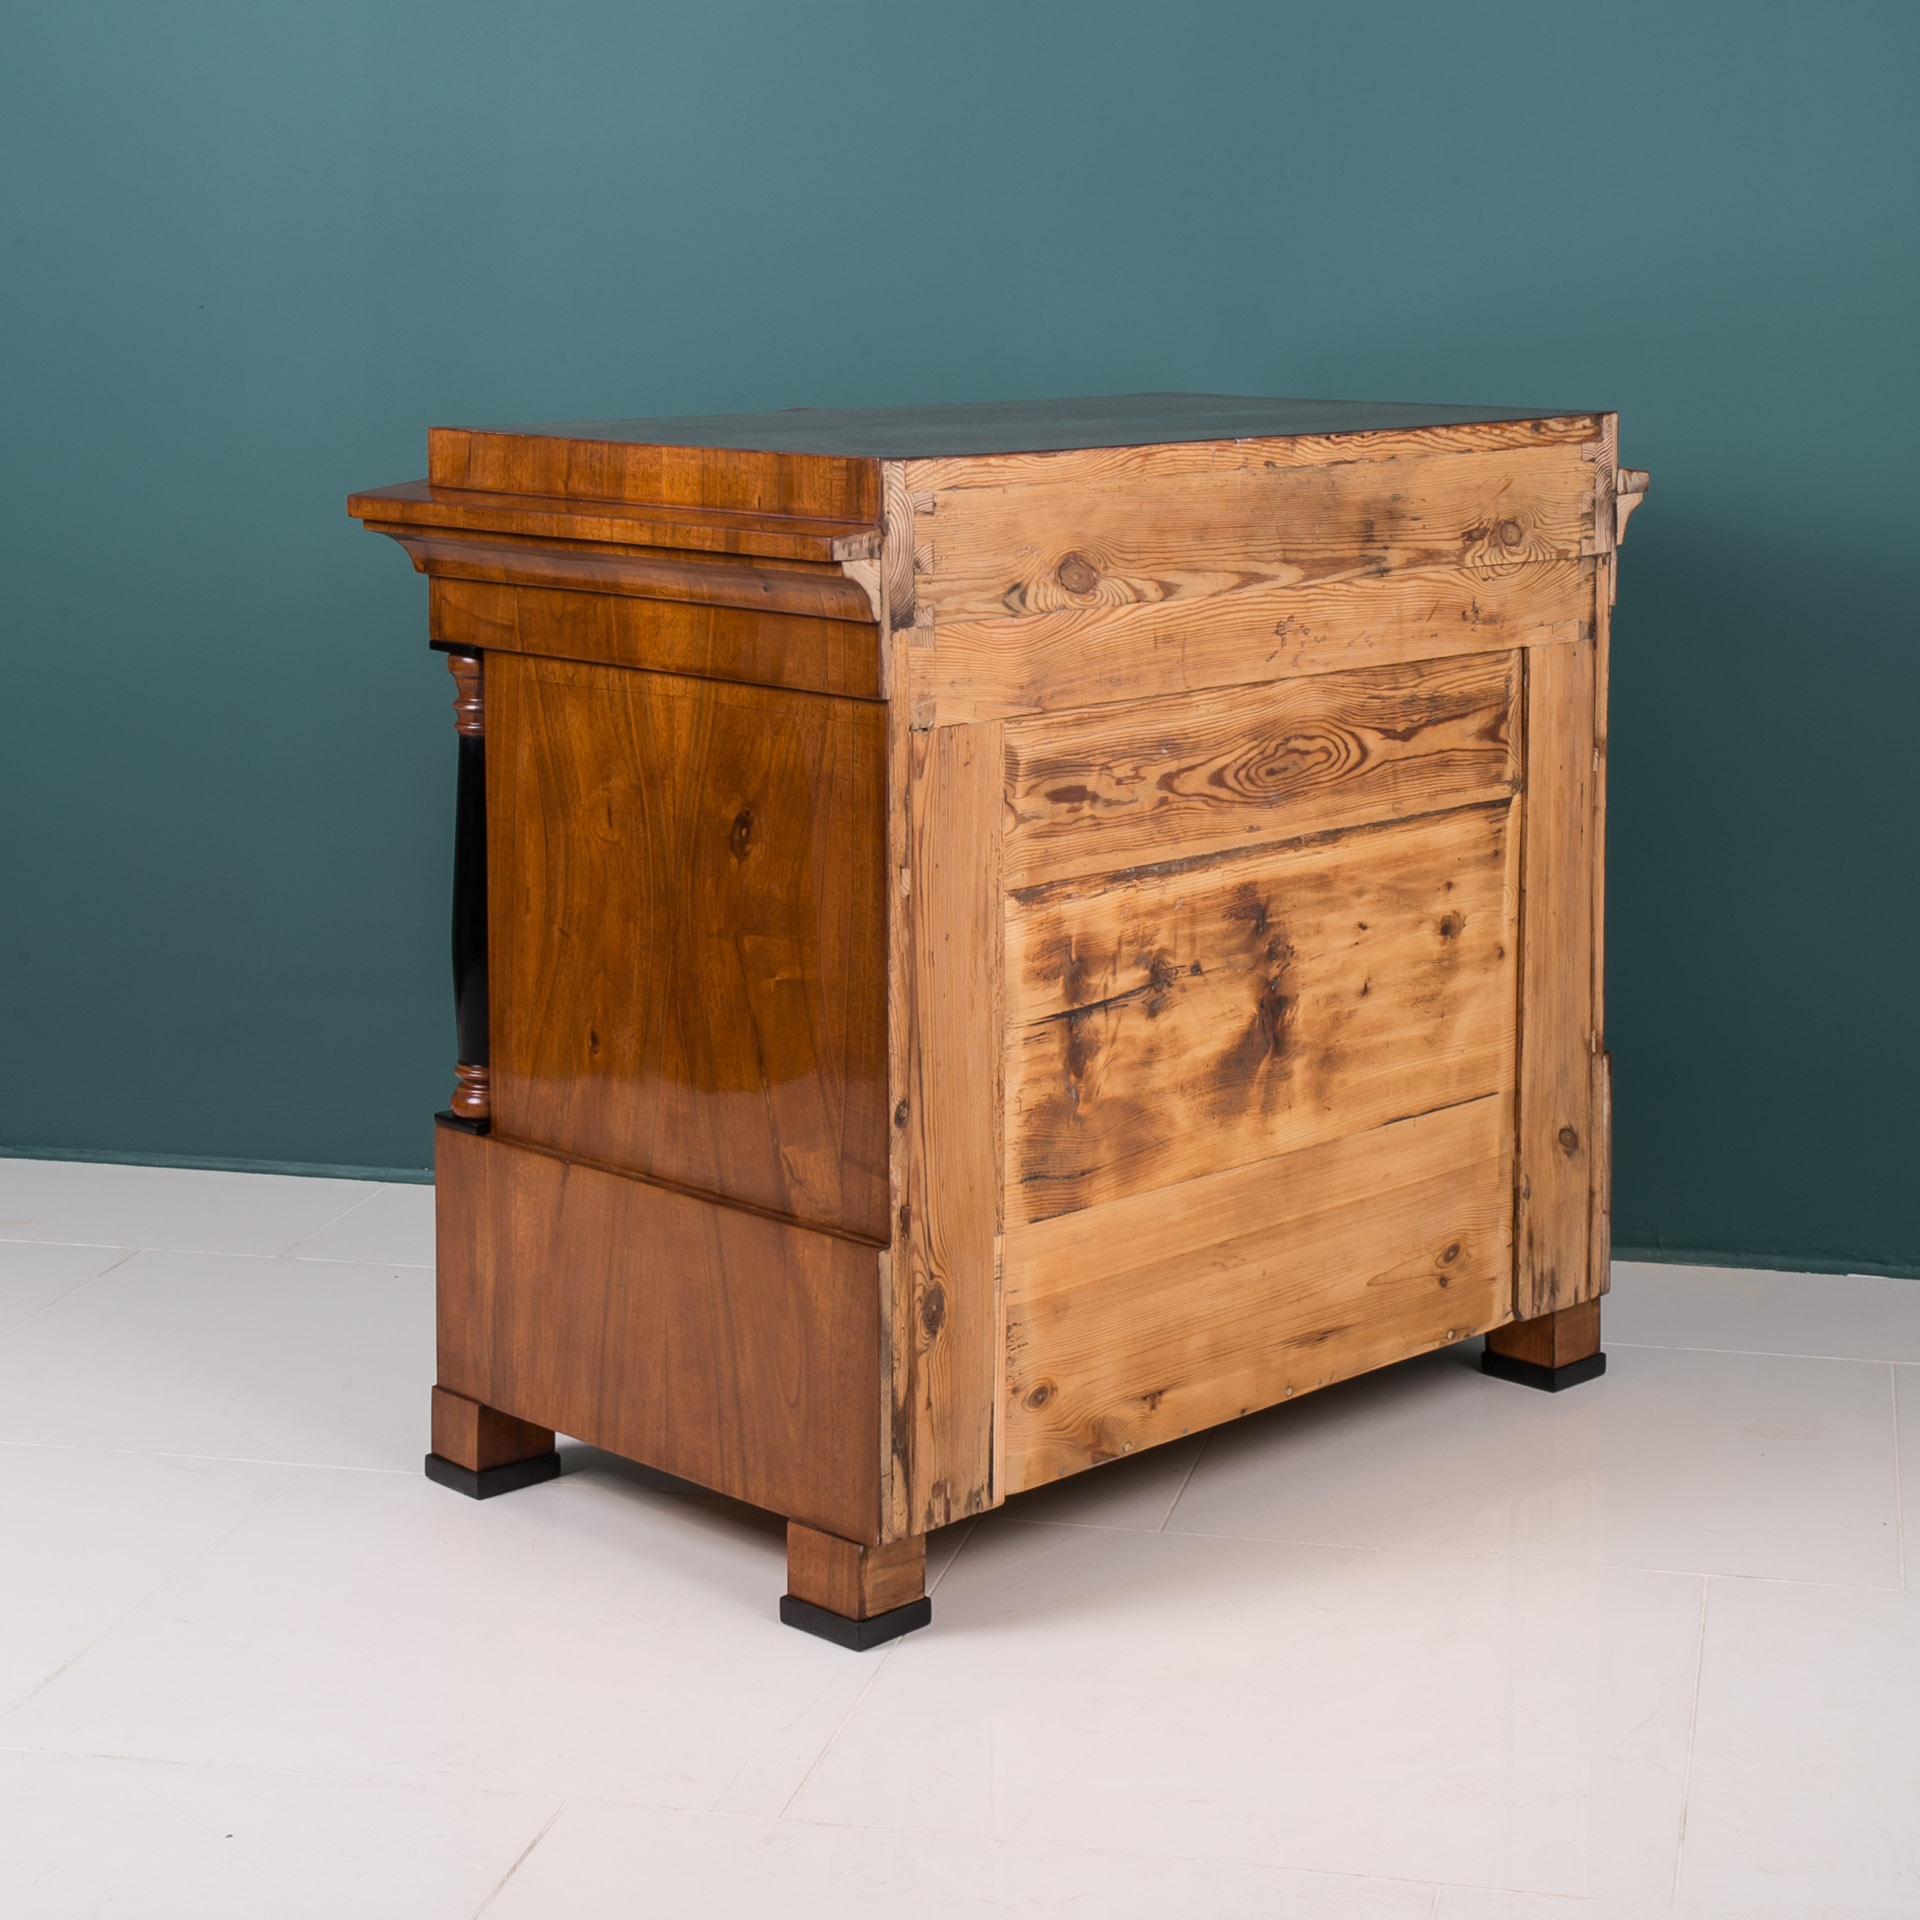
{"x": 1261, "y": 630}
{"x": 1200, "y": 773}
{"x": 948, "y": 1326}
{"x": 1005, "y": 552}
{"x": 1179, "y": 1020}
{"x": 1151, "y": 1317}
{"x": 1555, "y": 1174}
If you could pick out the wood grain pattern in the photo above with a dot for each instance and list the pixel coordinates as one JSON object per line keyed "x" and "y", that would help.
{"x": 852, "y": 1579}
{"x": 1017, "y": 933}
{"x": 1600, "y": 1208}
{"x": 1182, "y": 1020}
{"x": 699, "y": 1338}
{"x": 1081, "y": 657}
{"x": 738, "y": 480}
{"x": 1009, "y": 552}
{"x": 951, "y": 1223}
{"x": 1554, "y": 1339}
{"x": 1200, "y": 773}
{"x": 1136, "y": 1322}
{"x": 772, "y": 536}
{"x": 1558, "y": 1036}
{"x": 482, "y": 1438}
{"x": 687, "y": 928}
{"x": 637, "y": 573}
{"x": 663, "y": 636}
{"x": 1145, "y": 461}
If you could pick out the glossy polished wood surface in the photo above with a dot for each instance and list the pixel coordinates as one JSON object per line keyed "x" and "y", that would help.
{"x": 664, "y": 636}
{"x": 997, "y": 427}
{"x": 689, "y": 934}
{"x": 708, "y": 1341}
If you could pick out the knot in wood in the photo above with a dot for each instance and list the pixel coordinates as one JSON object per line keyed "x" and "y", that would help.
{"x": 741, "y": 838}
{"x": 1569, "y": 1141}
{"x": 933, "y": 1311}
{"x": 1077, "y": 573}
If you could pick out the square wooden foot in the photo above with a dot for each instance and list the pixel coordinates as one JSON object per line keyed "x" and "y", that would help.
{"x": 479, "y": 1451}
{"x": 1556, "y": 1351}
{"x": 856, "y": 1596}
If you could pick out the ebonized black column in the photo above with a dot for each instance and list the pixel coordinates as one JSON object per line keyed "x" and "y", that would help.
{"x": 472, "y": 1095}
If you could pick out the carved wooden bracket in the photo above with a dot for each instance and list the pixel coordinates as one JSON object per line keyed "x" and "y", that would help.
{"x": 1629, "y": 489}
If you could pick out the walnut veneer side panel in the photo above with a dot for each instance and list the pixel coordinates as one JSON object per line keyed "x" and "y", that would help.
{"x": 799, "y": 651}
{"x": 1133, "y": 1323}
{"x": 734, "y": 1350}
{"x": 687, "y": 927}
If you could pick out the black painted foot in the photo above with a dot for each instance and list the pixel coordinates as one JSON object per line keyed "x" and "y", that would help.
{"x": 1529, "y": 1373}
{"x": 484, "y": 1485}
{"x": 857, "y": 1634}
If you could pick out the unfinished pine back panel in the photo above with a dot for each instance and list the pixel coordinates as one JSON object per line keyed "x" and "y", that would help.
{"x": 1014, "y": 934}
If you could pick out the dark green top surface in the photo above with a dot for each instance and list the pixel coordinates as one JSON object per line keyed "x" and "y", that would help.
{"x": 1032, "y": 426}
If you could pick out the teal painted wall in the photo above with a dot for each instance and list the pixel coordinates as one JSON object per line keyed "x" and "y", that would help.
{"x": 251, "y": 250}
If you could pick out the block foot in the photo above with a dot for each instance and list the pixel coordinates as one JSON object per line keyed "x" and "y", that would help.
{"x": 1530, "y": 1373}
{"x": 1553, "y": 1352}
{"x": 483, "y": 1483}
{"x": 858, "y": 1635}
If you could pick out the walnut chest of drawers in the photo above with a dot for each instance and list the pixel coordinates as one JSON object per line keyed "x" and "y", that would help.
{"x": 990, "y": 938}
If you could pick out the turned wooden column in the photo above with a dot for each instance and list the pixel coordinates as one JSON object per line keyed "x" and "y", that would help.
{"x": 472, "y": 1103}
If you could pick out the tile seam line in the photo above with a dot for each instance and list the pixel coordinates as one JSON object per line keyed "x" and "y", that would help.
{"x": 218, "y": 1459}
{"x": 1186, "y": 1480}
{"x": 839, "y": 1727}
{"x": 853, "y": 1706}
{"x": 520, "y": 1860}
{"x": 1759, "y": 1353}
{"x": 1693, "y": 1741}
{"x": 353, "y": 1206}
{"x": 252, "y": 1770}
{"x": 1899, "y": 1487}
{"x": 67, "y": 1293}
{"x": 210, "y": 1253}
{"x": 160, "y": 1586}
{"x": 1459, "y": 1560}
{"x": 1335, "y": 1874}
{"x": 296, "y": 1257}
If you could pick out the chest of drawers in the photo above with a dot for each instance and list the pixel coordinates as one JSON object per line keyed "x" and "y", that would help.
{"x": 991, "y": 938}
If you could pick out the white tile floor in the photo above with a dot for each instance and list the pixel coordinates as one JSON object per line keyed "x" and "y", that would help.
{"x": 1422, "y": 1645}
